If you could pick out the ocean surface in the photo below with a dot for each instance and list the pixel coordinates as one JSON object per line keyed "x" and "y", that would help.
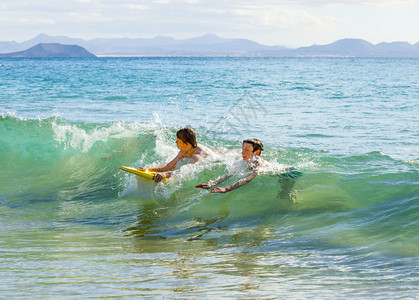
{"x": 72, "y": 225}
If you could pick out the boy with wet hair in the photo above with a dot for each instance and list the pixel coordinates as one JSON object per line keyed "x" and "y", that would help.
{"x": 187, "y": 135}
{"x": 189, "y": 152}
{"x": 251, "y": 150}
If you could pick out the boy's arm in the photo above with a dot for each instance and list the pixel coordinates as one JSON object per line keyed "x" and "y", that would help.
{"x": 236, "y": 185}
{"x": 166, "y": 167}
{"x": 164, "y": 170}
{"x": 214, "y": 183}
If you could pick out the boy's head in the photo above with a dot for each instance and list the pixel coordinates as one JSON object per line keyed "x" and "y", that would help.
{"x": 188, "y": 136}
{"x": 251, "y": 147}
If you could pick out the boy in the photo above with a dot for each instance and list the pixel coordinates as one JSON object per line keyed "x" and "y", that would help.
{"x": 251, "y": 150}
{"x": 190, "y": 152}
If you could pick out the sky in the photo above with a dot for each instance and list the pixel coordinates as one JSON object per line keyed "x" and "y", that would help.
{"x": 292, "y": 23}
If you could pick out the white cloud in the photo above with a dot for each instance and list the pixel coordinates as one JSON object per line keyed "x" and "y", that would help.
{"x": 136, "y": 6}
{"x": 345, "y": 2}
{"x": 24, "y": 20}
{"x": 282, "y": 17}
{"x": 45, "y": 21}
{"x": 91, "y": 17}
{"x": 161, "y": 1}
{"x": 29, "y": 21}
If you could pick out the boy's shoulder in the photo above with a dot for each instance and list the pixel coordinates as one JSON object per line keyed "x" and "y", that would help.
{"x": 203, "y": 150}
{"x": 258, "y": 162}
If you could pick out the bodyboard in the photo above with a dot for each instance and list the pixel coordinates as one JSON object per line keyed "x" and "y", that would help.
{"x": 145, "y": 174}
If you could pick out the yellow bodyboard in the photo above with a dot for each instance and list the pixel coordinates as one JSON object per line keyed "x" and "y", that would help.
{"x": 145, "y": 174}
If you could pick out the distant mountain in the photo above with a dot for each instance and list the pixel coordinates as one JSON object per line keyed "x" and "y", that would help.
{"x": 213, "y": 45}
{"x": 207, "y": 45}
{"x": 359, "y": 48}
{"x": 46, "y": 39}
{"x": 52, "y": 50}
{"x": 345, "y": 47}
{"x": 397, "y": 49}
{"x": 8, "y": 46}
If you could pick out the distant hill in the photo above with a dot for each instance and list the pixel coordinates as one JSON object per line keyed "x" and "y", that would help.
{"x": 345, "y": 47}
{"x": 213, "y": 45}
{"x": 207, "y": 45}
{"x": 359, "y": 48}
{"x": 52, "y": 50}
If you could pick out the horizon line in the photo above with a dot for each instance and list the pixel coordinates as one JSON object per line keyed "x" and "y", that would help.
{"x": 206, "y": 34}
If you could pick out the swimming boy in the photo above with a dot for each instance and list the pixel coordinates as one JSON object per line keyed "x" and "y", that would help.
{"x": 190, "y": 152}
{"x": 251, "y": 150}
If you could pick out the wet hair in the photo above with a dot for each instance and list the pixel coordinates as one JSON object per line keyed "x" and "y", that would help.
{"x": 257, "y": 144}
{"x": 187, "y": 135}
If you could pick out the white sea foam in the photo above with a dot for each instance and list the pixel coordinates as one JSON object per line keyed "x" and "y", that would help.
{"x": 10, "y": 113}
{"x": 71, "y": 135}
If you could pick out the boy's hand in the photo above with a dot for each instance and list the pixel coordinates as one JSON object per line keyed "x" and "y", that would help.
{"x": 159, "y": 176}
{"x": 203, "y": 186}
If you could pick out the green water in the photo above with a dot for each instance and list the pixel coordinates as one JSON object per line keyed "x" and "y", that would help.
{"x": 72, "y": 225}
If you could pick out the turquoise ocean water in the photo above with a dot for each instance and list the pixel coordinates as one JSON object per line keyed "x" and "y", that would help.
{"x": 72, "y": 225}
